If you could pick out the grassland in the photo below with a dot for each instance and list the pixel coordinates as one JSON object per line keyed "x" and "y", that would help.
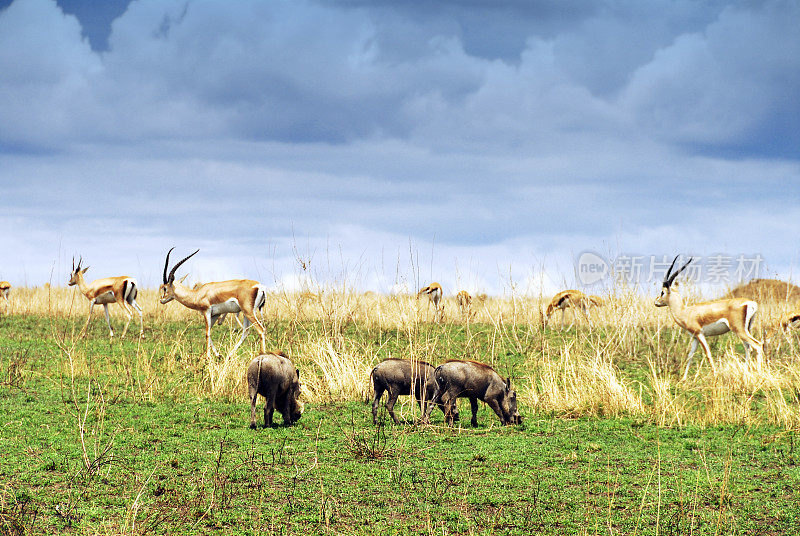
{"x": 145, "y": 435}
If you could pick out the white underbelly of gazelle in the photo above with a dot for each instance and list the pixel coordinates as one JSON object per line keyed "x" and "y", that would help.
{"x": 719, "y": 327}
{"x": 106, "y": 297}
{"x": 228, "y": 306}
{"x": 220, "y": 310}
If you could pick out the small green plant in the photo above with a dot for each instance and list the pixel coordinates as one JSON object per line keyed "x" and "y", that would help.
{"x": 17, "y": 513}
{"x": 371, "y": 443}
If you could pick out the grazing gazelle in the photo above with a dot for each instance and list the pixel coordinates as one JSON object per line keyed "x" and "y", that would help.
{"x": 464, "y": 301}
{"x": 217, "y": 299}
{"x": 710, "y": 319}
{"x": 434, "y": 293}
{"x": 575, "y": 299}
{"x": 122, "y": 290}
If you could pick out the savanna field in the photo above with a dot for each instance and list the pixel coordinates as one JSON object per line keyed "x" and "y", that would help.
{"x": 144, "y": 435}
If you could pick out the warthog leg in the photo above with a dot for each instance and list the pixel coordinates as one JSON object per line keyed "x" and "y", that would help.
{"x": 473, "y": 402}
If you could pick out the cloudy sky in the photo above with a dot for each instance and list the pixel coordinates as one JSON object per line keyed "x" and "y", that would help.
{"x": 484, "y": 144}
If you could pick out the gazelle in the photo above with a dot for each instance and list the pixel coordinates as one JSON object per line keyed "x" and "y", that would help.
{"x": 710, "y": 319}
{"x": 5, "y": 290}
{"x": 215, "y": 300}
{"x": 434, "y": 293}
{"x": 791, "y": 320}
{"x": 575, "y": 299}
{"x": 122, "y": 290}
{"x": 464, "y": 301}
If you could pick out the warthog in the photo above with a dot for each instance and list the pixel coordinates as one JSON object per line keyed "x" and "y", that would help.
{"x": 275, "y": 378}
{"x": 397, "y": 376}
{"x": 476, "y": 381}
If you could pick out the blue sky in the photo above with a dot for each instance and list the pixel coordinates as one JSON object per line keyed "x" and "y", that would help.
{"x": 481, "y": 144}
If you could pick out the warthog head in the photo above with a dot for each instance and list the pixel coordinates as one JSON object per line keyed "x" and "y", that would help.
{"x": 510, "y": 404}
{"x": 293, "y": 399}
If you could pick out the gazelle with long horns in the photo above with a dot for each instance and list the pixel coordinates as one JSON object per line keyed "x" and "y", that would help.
{"x": 217, "y": 299}
{"x": 710, "y": 319}
{"x": 122, "y": 290}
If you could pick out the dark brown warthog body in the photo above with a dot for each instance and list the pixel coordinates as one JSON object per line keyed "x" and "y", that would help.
{"x": 276, "y": 379}
{"x": 398, "y": 376}
{"x": 476, "y": 381}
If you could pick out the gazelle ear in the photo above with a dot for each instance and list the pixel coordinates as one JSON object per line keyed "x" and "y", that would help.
{"x": 84, "y": 270}
{"x": 182, "y": 279}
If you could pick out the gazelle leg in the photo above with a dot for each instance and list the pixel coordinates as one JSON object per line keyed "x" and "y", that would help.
{"x": 88, "y": 318}
{"x": 259, "y": 328}
{"x": 125, "y": 307}
{"x": 141, "y": 317}
{"x": 746, "y": 353}
{"x": 252, "y": 319}
{"x": 704, "y": 343}
{"x": 108, "y": 320}
{"x": 574, "y": 318}
{"x": 759, "y": 346}
{"x": 246, "y": 326}
{"x": 209, "y": 343}
{"x": 751, "y": 342}
{"x": 690, "y": 358}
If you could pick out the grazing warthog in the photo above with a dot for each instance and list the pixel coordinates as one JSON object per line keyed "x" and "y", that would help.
{"x": 398, "y": 376}
{"x": 476, "y": 381}
{"x": 275, "y": 378}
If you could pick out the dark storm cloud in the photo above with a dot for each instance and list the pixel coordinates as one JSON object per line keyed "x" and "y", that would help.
{"x": 719, "y": 76}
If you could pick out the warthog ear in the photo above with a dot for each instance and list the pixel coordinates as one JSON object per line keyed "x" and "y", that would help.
{"x": 508, "y": 383}
{"x": 297, "y": 370}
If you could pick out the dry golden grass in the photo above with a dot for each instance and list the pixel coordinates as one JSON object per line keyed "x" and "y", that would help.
{"x": 573, "y": 385}
{"x": 627, "y": 363}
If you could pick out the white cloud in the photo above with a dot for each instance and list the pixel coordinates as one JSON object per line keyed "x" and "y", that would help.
{"x": 722, "y": 85}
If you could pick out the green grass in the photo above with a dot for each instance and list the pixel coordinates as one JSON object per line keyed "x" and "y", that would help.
{"x": 162, "y": 457}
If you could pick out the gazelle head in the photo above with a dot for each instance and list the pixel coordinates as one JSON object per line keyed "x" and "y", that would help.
{"x": 166, "y": 292}
{"x": 663, "y": 298}
{"x": 77, "y": 272}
